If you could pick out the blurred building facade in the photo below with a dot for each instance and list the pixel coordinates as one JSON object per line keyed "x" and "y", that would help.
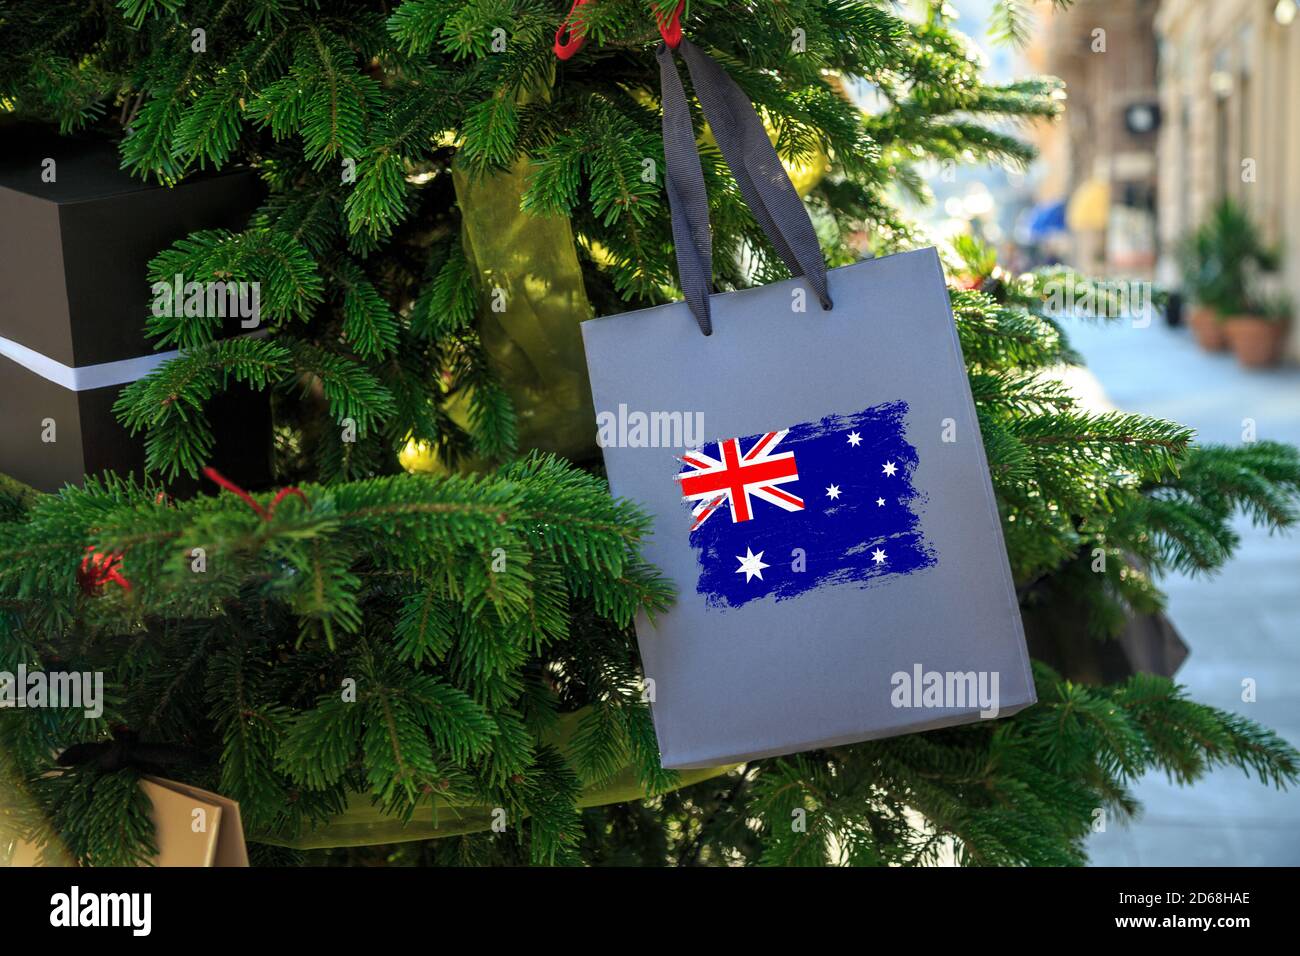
{"x": 1173, "y": 105}
{"x": 1229, "y": 79}
{"x": 1104, "y": 153}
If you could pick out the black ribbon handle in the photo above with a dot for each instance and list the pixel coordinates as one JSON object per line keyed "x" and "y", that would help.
{"x": 763, "y": 181}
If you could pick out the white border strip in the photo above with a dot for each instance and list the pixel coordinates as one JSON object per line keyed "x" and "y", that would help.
{"x": 88, "y": 377}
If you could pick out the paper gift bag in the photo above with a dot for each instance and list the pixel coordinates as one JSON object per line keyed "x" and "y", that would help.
{"x": 831, "y": 528}
{"x": 192, "y": 827}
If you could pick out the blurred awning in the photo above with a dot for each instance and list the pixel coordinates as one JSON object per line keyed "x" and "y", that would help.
{"x": 1045, "y": 219}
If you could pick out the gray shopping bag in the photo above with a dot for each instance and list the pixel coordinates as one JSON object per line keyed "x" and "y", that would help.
{"x": 818, "y": 486}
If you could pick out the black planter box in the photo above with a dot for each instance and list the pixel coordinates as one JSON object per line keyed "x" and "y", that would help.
{"x": 74, "y": 297}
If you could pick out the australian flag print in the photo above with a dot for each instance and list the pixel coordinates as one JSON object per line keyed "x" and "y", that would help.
{"x": 815, "y": 505}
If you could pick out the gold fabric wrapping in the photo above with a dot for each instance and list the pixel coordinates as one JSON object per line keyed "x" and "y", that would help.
{"x": 364, "y": 824}
{"x": 528, "y": 268}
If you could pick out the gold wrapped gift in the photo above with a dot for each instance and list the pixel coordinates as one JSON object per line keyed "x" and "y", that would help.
{"x": 533, "y": 302}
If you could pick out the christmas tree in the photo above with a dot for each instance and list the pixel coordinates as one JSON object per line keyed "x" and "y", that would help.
{"x": 453, "y": 647}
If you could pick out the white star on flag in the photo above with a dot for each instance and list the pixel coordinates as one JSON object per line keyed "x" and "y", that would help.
{"x": 855, "y": 439}
{"x": 833, "y": 492}
{"x": 880, "y": 502}
{"x": 878, "y": 556}
{"x": 751, "y": 566}
{"x": 890, "y": 468}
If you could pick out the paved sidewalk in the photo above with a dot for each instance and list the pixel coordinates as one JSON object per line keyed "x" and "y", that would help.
{"x": 1244, "y": 622}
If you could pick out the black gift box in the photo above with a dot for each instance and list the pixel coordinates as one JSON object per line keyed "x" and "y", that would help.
{"x": 74, "y": 297}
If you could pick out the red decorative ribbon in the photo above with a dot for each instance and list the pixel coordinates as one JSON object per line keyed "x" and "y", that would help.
{"x": 264, "y": 513}
{"x": 98, "y": 569}
{"x": 571, "y": 35}
{"x": 671, "y": 30}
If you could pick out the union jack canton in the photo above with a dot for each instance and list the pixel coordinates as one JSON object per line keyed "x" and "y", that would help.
{"x": 733, "y": 478}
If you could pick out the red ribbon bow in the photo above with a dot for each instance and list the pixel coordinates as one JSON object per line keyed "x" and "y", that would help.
{"x": 572, "y": 33}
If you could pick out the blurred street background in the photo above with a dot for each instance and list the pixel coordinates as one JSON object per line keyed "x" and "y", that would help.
{"x": 1243, "y": 623}
{"x": 1176, "y": 110}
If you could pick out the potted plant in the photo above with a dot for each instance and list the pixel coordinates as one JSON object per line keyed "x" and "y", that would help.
{"x": 1223, "y": 261}
{"x": 1195, "y": 260}
{"x": 1237, "y": 258}
{"x": 1257, "y": 337}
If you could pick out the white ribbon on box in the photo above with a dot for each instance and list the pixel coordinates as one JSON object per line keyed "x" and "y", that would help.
{"x": 88, "y": 377}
